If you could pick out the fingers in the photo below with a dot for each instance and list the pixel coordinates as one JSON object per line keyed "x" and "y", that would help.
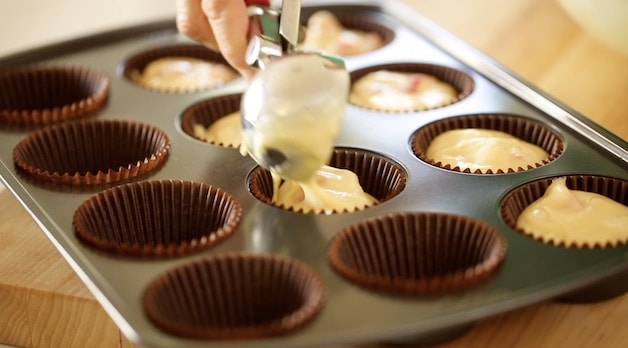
{"x": 192, "y": 22}
{"x": 229, "y": 22}
{"x": 221, "y": 25}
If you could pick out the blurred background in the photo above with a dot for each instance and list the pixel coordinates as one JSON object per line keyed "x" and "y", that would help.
{"x": 31, "y": 23}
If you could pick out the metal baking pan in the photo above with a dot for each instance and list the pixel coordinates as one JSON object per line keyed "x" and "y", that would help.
{"x": 532, "y": 271}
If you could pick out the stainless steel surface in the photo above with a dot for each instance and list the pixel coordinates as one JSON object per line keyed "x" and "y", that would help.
{"x": 279, "y": 32}
{"x": 290, "y": 21}
{"x": 268, "y": 44}
{"x": 531, "y": 272}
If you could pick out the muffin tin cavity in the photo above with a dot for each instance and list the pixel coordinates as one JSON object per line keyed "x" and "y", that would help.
{"x": 520, "y": 127}
{"x": 160, "y": 218}
{"x": 205, "y": 113}
{"x": 91, "y": 152}
{"x": 417, "y": 252}
{"x": 43, "y": 94}
{"x": 380, "y": 177}
{"x": 135, "y": 65}
{"x": 459, "y": 80}
{"x": 235, "y": 296}
{"x": 522, "y": 196}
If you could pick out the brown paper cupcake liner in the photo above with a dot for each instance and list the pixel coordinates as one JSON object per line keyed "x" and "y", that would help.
{"x": 43, "y": 94}
{"x": 135, "y": 64}
{"x": 160, "y": 218}
{"x": 523, "y": 128}
{"x": 206, "y": 112}
{"x": 91, "y": 152}
{"x": 235, "y": 296}
{"x": 381, "y": 178}
{"x": 417, "y": 252}
{"x": 460, "y": 80}
{"x": 361, "y": 22}
{"x": 521, "y": 197}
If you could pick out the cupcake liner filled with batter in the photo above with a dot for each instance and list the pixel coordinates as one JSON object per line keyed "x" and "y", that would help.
{"x": 417, "y": 253}
{"x": 159, "y": 218}
{"x": 379, "y": 178}
{"x": 182, "y": 68}
{"x": 43, "y": 94}
{"x": 523, "y": 132}
{"x": 344, "y": 33}
{"x": 235, "y": 296}
{"x": 408, "y": 87}
{"x": 91, "y": 152}
{"x": 216, "y": 121}
{"x": 602, "y": 227}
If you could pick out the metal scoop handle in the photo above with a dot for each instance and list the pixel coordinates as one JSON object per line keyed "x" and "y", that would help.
{"x": 280, "y": 32}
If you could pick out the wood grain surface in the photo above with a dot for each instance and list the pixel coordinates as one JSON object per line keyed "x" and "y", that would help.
{"x": 44, "y": 304}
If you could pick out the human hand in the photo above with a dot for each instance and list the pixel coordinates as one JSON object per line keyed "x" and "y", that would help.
{"x": 221, "y": 25}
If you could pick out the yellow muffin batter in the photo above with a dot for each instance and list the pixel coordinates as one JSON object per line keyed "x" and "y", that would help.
{"x": 326, "y": 33}
{"x": 483, "y": 149}
{"x": 226, "y": 131}
{"x": 330, "y": 190}
{"x": 575, "y": 217}
{"x": 401, "y": 91}
{"x": 183, "y": 74}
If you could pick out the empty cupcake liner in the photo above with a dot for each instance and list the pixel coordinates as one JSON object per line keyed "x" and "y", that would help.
{"x": 136, "y": 63}
{"x": 235, "y": 296}
{"x": 91, "y": 152}
{"x": 43, "y": 94}
{"x": 460, "y": 80}
{"x": 361, "y": 22}
{"x": 159, "y": 218}
{"x": 522, "y": 196}
{"x": 521, "y": 127}
{"x": 378, "y": 176}
{"x": 417, "y": 252}
{"x": 206, "y": 112}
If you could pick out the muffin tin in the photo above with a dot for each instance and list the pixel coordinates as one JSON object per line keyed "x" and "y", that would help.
{"x": 139, "y": 283}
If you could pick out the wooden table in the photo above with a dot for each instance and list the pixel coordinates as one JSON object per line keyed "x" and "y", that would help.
{"x": 43, "y": 303}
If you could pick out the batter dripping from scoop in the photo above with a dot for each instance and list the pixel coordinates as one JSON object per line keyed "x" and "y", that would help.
{"x": 329, "y": 190}
{"x": 295, "y": 109}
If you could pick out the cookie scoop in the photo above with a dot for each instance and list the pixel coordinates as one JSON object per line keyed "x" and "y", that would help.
{"x": 293, "y": 109}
